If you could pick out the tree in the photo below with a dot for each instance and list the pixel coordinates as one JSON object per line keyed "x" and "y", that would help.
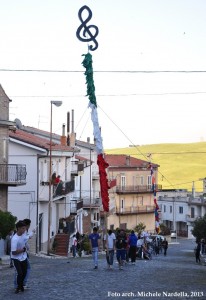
{"x": 199, "y": 229}
{"x": 7, "y": 223}
{"x": 140, "y": 227}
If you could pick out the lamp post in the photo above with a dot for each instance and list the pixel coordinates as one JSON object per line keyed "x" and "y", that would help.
{"x": 56, "y": 103}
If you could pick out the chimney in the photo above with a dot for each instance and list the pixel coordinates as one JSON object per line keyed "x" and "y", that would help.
{"x": 128, "y": 160}
{"x": 72, "y": 135}
{"x": 68, "y": 129}
{"x": 193, "y": 190}
{"x": 63, "y": 138}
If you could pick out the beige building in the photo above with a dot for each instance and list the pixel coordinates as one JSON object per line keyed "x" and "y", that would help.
{"x": 131, "y": 197}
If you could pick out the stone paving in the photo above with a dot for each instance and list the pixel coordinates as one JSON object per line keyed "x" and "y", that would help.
{"x": 176, "y": 276}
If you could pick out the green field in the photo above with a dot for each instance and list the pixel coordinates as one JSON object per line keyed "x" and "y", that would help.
{"x": 180, "y": 164}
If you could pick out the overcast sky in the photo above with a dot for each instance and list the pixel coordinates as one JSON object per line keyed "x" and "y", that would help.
{"x": 138, "y": 107}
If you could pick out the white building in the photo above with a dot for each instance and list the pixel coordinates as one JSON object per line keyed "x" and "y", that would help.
{"x": 32, "y": 200}
{"x": 179, "y": 209}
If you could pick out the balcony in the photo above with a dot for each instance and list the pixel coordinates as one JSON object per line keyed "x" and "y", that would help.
{"x": 12, "y": 175}
{"x": 191, "y": 218}
{"x": 135, "y": 189}
{"x": 63, "y": 188}
{"x": 75, "y": 205}
{"x": 94, "y": 202}
{"x": 135, "y": 210}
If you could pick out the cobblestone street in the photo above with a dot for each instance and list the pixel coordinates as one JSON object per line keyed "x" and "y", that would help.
{"x": 176, "y": 276}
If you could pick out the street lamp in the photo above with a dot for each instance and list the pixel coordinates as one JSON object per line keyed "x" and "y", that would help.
{"x": 56, "y": 103}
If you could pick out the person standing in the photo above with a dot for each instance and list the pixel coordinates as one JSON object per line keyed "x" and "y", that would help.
{"x": 133, "y": 246}
{"x": 19, "y": 255}
{"x": 27, "y": 235}
{"x": 165, "y": 246}
{"x": 94, "y": 244}
{"x": 197, "y": 251}
{"x": 110, "y": 239}
{"x": 74, "y": 245}
{"x": 121, "y": 245}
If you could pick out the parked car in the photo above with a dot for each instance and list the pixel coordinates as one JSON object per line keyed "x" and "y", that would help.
{"x": 157, "y": 236}
{"x": 173, "y": 234}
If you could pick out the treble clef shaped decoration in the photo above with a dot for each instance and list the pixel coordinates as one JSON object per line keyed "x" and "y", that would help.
{"x": 87, "y": 34}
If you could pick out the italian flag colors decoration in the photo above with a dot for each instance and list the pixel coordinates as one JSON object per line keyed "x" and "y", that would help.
{"x": 102, "y": 164}
{"x": 157, "y": 224}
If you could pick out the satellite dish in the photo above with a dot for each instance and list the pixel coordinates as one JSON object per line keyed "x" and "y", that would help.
{"x": 18, "y": 124}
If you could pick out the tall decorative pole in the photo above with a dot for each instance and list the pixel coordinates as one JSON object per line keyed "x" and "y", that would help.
{"x": 84, "y": 34}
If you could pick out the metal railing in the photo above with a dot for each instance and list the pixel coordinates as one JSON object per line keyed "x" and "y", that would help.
{"x": 12, "y": 174}
{"x": 63, "y": 188}
{"x": 137, "y": 188}
{"x": 135, "y": 210}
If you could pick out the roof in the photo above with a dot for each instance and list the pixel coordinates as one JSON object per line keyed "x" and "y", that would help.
{"x": 122, "y": 160}
{"x": 37, "y": 141}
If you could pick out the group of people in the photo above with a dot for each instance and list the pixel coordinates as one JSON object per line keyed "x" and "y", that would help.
{"x": 124, "y": 244}
{"x": 17, "y": 247}
{"x": 55, "y": 179}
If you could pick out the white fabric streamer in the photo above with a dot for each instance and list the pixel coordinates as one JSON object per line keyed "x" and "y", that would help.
{"x": 96, "y": 128}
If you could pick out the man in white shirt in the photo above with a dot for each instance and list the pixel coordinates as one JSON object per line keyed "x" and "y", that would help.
{"x": 110, "y": 239}
{"x": 19, "y": 255}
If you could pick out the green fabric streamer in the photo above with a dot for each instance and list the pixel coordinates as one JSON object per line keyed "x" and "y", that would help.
{"x": 87, "y": 63}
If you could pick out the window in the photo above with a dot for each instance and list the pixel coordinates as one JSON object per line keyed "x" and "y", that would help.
{"x": 149, "y": 181}
{"x": 170, "y": 208}
{"x": 180, "y": 210}
{"x": 141, "y": 180}
{"x": 123, "y": 182}
{"x": 165, "y": 208}
{"x": 192, "y": 212}
{"x": 97, "y": 216}
{"x": 122, "y": 203}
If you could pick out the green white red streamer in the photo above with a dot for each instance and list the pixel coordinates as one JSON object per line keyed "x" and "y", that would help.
{"x": 87, "y": 63}
{"x": 154, "y": 186}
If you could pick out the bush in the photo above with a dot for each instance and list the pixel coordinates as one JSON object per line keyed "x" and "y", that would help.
{"x": 199, "y": 229}
{"x": 164, "y": 229}
{"x": 140, "y": 227}
{"x": 7, "y": 223}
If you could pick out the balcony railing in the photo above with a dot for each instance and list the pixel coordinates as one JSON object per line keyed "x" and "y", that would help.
{"x": 12, "y": 174}
{"x": 63, "y": 188}
{"x": 135, "y": 210}
{"x": 136, "y": 189}
{"x": 191, "y": 219}
{"x": 75, "y": 205}
{"x": 94, "y": 202}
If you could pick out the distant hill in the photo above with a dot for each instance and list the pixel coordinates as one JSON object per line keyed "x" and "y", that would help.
{"x": 180, "y": 164}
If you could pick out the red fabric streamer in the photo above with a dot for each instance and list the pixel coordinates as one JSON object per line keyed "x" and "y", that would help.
{"x": 104, "y": 186}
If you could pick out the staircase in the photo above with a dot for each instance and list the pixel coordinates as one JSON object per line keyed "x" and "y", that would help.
{"x": 61, "y": 244}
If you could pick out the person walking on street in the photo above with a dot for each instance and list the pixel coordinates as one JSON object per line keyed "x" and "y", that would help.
{"x": 19, "y": 255}
{"x": 27, "y": 235}
{"x": 110, "y": 239}
{"x": 197, "y": 251}
{"x": 165, "y": 246}
{"x": 121, "y": 245}
{"x": 74, "y": 245}
{"x": 94, "y": 244}
{"x": 133, "y": 247}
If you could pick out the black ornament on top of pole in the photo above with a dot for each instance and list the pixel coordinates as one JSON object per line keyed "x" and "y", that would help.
{"x": 89, "y": 33}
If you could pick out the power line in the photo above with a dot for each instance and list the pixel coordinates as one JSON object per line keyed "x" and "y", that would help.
{"x": 103, "y": 71}
{"x": 110, "y": 95}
